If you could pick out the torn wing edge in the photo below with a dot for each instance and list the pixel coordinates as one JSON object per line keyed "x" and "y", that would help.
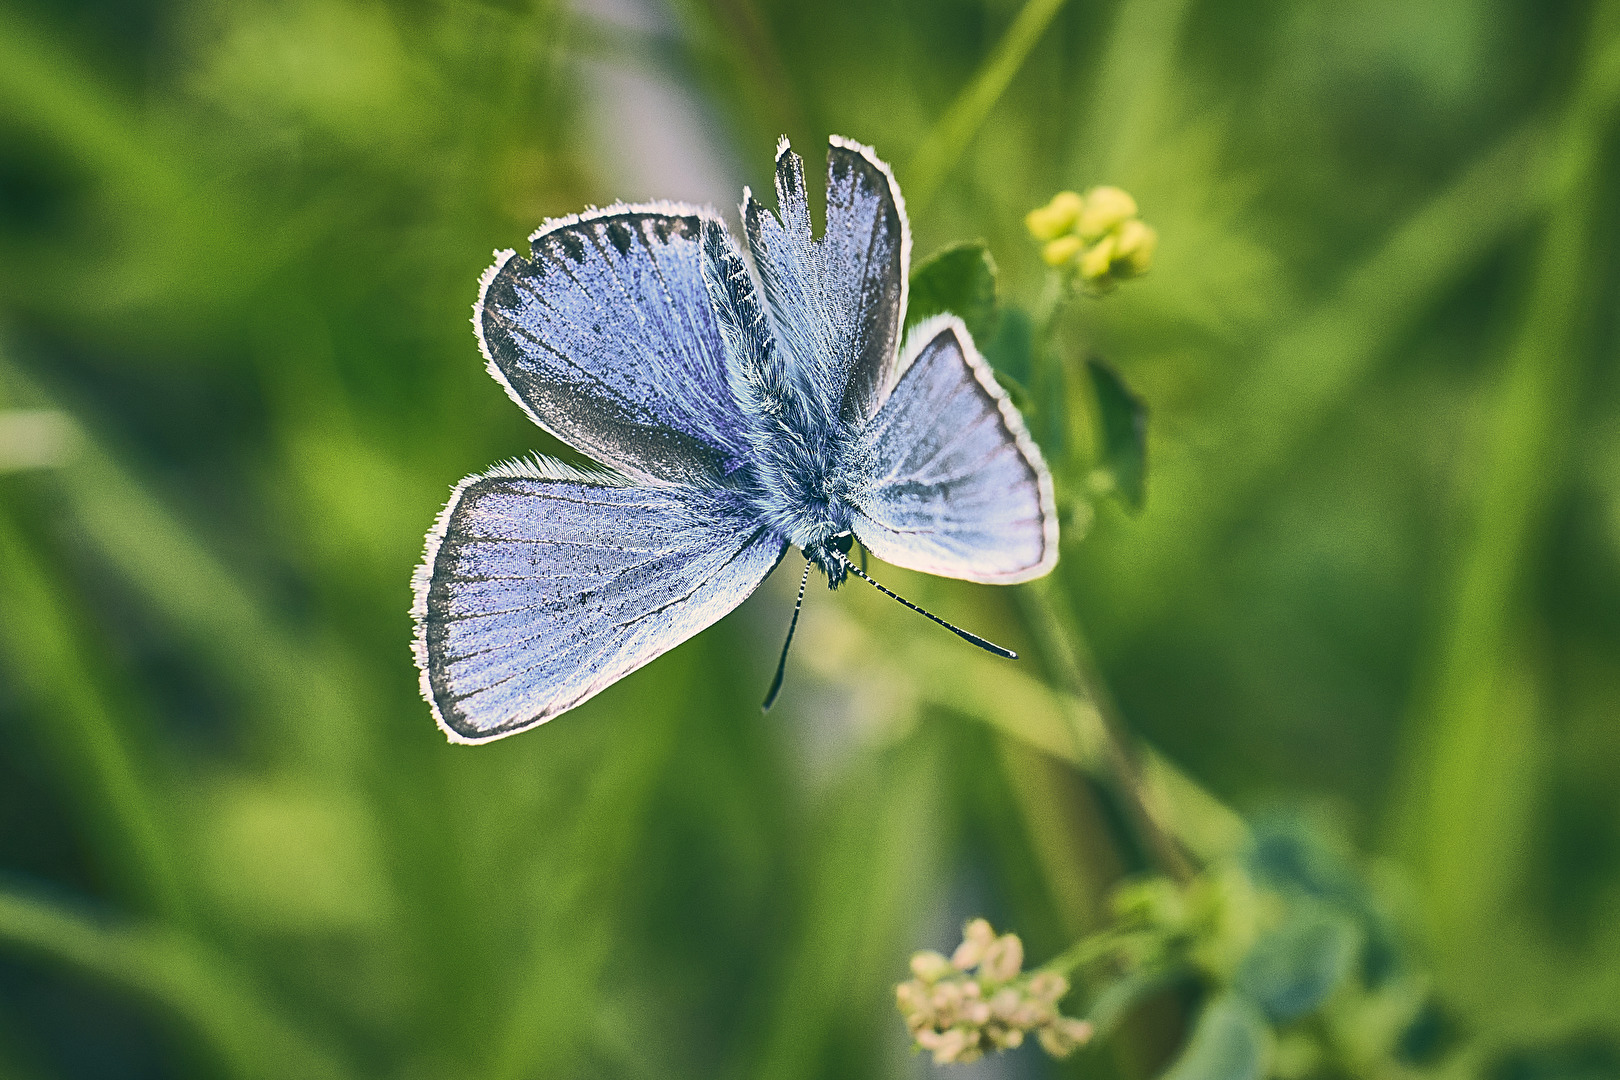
{"x": 785, "y": 147}
{"x": 870, "y": 155}
{"x": 919, "y": 339}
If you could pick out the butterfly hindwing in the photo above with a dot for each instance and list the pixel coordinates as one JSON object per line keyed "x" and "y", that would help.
{"x": 542, "y": 586}
{"x": 605, "y": 335}
{"x": 950, "y": 481}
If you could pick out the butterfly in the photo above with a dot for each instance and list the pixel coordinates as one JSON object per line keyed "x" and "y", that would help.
{"x": 735, "y": 414}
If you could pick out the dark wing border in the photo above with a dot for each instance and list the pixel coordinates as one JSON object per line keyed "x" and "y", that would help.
{"x": 917, "y": 342}
{"x": 663, "y": 207}
{"x": 884, "y": 385}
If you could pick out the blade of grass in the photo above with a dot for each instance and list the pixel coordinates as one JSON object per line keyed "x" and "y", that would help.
{"x": 948, "y": 140}
{"x": 1472, "y": 735}
{"x": 572, "y": 936}
{"x": 1129, "y": 100}
{"x": 874, "y": 863}
{"x": 47, "y": 656}
{"x": 250, "y": 1037}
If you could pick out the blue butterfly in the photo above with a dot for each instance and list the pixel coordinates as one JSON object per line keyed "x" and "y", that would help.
{"x": 738, "y": 418}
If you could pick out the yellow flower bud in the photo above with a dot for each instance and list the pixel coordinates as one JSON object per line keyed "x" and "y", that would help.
{"x": 1062, "y": 250}
{"x": 1133, "y": 247}
{"x": 1055, "y": 218}
{"x": 1098, "y": 258}
{"x": 1105, "y": 207}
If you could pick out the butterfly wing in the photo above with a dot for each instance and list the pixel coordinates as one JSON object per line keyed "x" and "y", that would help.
{"x": 949, "y": 481}
{"x": 605, "y": 336}
{"x": 541, "y": 586}
{"x": 835, "y": 303}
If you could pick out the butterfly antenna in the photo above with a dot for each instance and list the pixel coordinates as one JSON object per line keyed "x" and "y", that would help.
{"x": 987, "y": 646}
{"x": 781, "y": 665}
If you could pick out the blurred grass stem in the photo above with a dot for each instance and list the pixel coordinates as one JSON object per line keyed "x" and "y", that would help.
{"x": 48, "y": 658}
{"x": 949, "y": 139}
{"x": 1066, "y": 656}
{"x": 1476, "y": 730}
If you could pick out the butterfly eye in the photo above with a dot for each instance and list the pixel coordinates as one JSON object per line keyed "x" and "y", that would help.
{"x": 842, "y": 543}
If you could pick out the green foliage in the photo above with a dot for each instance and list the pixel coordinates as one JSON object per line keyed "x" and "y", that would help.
{"x": 1295, "y": 967}
{"x": 960, "y": 280}
{"x": 1376, "y": 572}
{"x": 1122, "y": 433}
{"x": 1229, "y": 1041}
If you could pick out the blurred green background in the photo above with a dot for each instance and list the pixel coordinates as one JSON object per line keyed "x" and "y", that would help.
{"x": 1377, "y": 578}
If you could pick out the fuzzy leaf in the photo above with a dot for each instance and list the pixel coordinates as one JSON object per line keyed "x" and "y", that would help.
{"x": 1294, "y": 968}
{"x": 1122, "y": 434}
{"x": 1229, "y": 1042}
{"x": 961, "y": 279}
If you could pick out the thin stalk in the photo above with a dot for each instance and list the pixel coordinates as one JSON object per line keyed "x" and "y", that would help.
{"x": 1088, "y": 950}
{"x": 1066, "y": 656}
{"x": 944, "y": 145}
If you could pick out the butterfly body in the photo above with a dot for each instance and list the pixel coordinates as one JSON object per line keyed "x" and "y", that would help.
{"x": 740, "y": 406}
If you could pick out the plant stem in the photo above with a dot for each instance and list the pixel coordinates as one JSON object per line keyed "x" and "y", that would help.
{"x": 1087, "y": 950}
{"x": 1477, "y": 726}
{"x": 1065, "y": 654}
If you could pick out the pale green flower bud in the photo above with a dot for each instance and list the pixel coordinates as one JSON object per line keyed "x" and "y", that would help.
{"x": 949, "y": 1047}
{"x": 1062, "y": 1036}
{"x": 1034, "y": 1014}
{"x": 977, "y": 936}
{"x": 930, "y": 966}
{"x": 1005, "y": 1005}
{"x": 1105, "y": 208}
{"x": 947, "y": 1002}
{"x": 1048, "y": 986}
{"x": 912, "y": 1000}
{"x": 1003, "y": 959}
{"x": 1055, "y": 218}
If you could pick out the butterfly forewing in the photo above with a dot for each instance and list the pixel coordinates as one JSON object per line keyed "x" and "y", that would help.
{"x": 606, "y": 337}
{"x": 950, "y": 482}
{"x": 835, "y": 303}
{"x": 541, "y": 588}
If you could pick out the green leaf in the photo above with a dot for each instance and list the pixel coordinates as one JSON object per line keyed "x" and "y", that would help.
{"x": 1229, "y": 1042}
{"x": 1294, "y": 968}
{"x": 961, "y": 280}
{"x": 1122, "y": 428}
{"x": 1011, "y": 350}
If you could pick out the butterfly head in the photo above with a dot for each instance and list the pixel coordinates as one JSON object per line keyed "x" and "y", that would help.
{"x": 831, "y": 555}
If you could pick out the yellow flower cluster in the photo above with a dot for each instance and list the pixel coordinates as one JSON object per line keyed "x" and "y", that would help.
{"x": 980, "y": 1000}
{"x": 1097, "y": 237}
